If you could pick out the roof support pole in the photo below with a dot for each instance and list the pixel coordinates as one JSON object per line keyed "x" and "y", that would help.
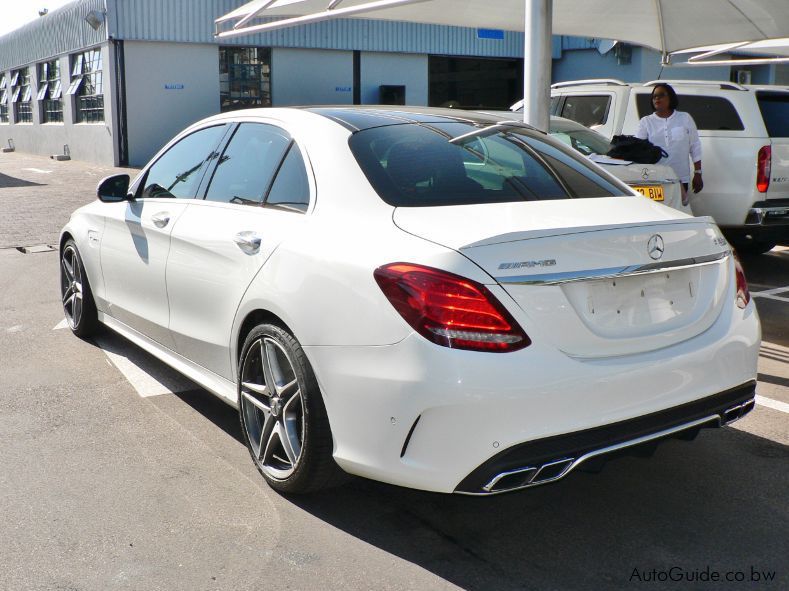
{"x": 537, "y": 62}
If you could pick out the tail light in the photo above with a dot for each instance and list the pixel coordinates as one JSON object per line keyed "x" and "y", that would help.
{"x": 763, "y": 169}
{"x": 743, "y": 295}
{"x": 450, "y": 310}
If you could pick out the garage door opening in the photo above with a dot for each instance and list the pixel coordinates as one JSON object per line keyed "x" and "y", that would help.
{"x": 474, "y": 83}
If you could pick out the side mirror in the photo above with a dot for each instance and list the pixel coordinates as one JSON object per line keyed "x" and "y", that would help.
{"x": 113, "y": 189}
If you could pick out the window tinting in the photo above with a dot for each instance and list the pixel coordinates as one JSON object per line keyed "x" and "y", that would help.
{"x": 586, "y": 110}
{"x": 291, "y": 189}
{"x": 245, "y": 169}
{"x": 775, "y": 112}
{"x": 713, "y": 113}
{"x": 413, "y": 165}
{"x": 554, "y": 108}
{"x": 179, "y": 171}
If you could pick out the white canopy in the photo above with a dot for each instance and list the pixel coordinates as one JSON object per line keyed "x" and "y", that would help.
{"x": 746, "y": 53}
{"x": 664, "y": 25}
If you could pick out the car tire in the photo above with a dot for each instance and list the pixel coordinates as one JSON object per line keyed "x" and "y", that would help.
{"x": 75, "y": 293}
{"x": 753, "y": 247}
{"x": 283, "y": 418}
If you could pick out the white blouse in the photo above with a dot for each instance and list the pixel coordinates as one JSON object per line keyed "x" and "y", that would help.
{"x": 677, "y": 135}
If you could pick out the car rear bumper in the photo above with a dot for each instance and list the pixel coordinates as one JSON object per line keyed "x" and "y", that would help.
{"x": 423, "y": 416}
{"x": 766, "y": 221}
{"x": 547, "y": 460}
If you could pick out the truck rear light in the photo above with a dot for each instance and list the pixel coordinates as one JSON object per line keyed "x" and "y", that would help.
{"x": 763, "y": 169}
{"x": 450, "y": 310}
{"x": 743, "y": 295}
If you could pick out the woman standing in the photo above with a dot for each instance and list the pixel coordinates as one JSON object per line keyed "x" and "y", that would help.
{"x": 675, "y": 132}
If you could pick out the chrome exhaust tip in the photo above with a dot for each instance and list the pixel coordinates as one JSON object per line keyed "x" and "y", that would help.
{"x": 529, "y": 476}
{"x": 737, "y": 412}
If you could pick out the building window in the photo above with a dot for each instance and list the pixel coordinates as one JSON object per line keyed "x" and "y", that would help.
{"x": 21, "y": 96}
{"x": 86, "y": 86}
{"x": 3, "y": 98}
{"x": 244, "y": 77}
{"x": 50, "y": 92}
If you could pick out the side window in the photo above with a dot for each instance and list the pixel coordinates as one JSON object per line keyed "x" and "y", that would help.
{"x": 179, "y": 171}
{"x": 291, "y": 189}
{"x": 554, "y": 108}
{"x": 587, "y": 110}
{"x": 708, "y": 112}
{"x": 711, "y": 112}
{"x": 245, "y": 169}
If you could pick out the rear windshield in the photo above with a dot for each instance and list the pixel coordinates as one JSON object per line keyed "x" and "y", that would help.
{"x": 713, "y": 113}
{"x": 775, "y": 112}
{"x": 413, "y": 165}
{"x": 580, "y": 138}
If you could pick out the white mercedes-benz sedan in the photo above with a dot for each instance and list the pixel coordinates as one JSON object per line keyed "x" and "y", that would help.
{"x": 429, "y": 298}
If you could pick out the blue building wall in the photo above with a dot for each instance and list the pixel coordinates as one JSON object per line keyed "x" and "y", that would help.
{"x": 579, "y": 58}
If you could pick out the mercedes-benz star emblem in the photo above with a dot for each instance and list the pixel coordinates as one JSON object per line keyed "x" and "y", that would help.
{"x": 645, "y": 173}
{"x": 655, "y": 247}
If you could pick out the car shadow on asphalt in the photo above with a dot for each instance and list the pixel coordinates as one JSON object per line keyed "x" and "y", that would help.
{"x": 214, "y": 410}
{"x": 717, "y": 502}
{"x": 717, "y": 505}
{"x": 8, "y": 182}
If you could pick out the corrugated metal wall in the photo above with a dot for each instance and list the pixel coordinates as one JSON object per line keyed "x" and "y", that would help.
{"x": 192, "y": 21}
{"x": 62, "y": 31}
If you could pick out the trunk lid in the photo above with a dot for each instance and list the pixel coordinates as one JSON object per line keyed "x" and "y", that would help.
{"x": 581, "y": 273}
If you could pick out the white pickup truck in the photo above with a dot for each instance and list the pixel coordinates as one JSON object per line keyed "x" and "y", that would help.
{"x": 744, "y": 134}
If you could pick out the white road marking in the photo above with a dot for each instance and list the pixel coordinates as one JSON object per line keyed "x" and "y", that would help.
{"x": 39, "y": 170}
{"x": 60, "y": 325}
{"x": 770, "y": 297}
{"x": 772, "y": 291}
{"x": 148, "y": 376}
{"x": 773, "y": 347}
{"x": 774, "y": 404}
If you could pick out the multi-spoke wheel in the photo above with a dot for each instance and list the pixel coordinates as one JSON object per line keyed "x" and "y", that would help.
{"x": 283, "y": 418}
{"x": 78, "y": 304}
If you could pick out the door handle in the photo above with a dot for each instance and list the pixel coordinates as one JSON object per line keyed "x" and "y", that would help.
{"x": 248, "y": 241}
{"x": 161, "y": 219}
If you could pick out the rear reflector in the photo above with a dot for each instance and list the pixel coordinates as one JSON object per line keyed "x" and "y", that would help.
{"x": 450, "y": 310}
{"x": 763, "y": 169}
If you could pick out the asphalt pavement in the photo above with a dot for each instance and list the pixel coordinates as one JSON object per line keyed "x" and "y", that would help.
{"x": 118, "y": 474}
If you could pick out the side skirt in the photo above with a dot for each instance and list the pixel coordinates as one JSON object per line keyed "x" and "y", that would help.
{"x": 217, "y": 385}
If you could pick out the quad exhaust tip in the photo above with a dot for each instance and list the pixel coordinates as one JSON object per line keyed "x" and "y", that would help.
{"x": 554, "y": 470}
{"x": 737, "y": 412}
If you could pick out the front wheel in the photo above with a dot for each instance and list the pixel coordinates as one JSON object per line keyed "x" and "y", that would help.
{"x": 283, "y": 418}
{"x": 78, "y": 305}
